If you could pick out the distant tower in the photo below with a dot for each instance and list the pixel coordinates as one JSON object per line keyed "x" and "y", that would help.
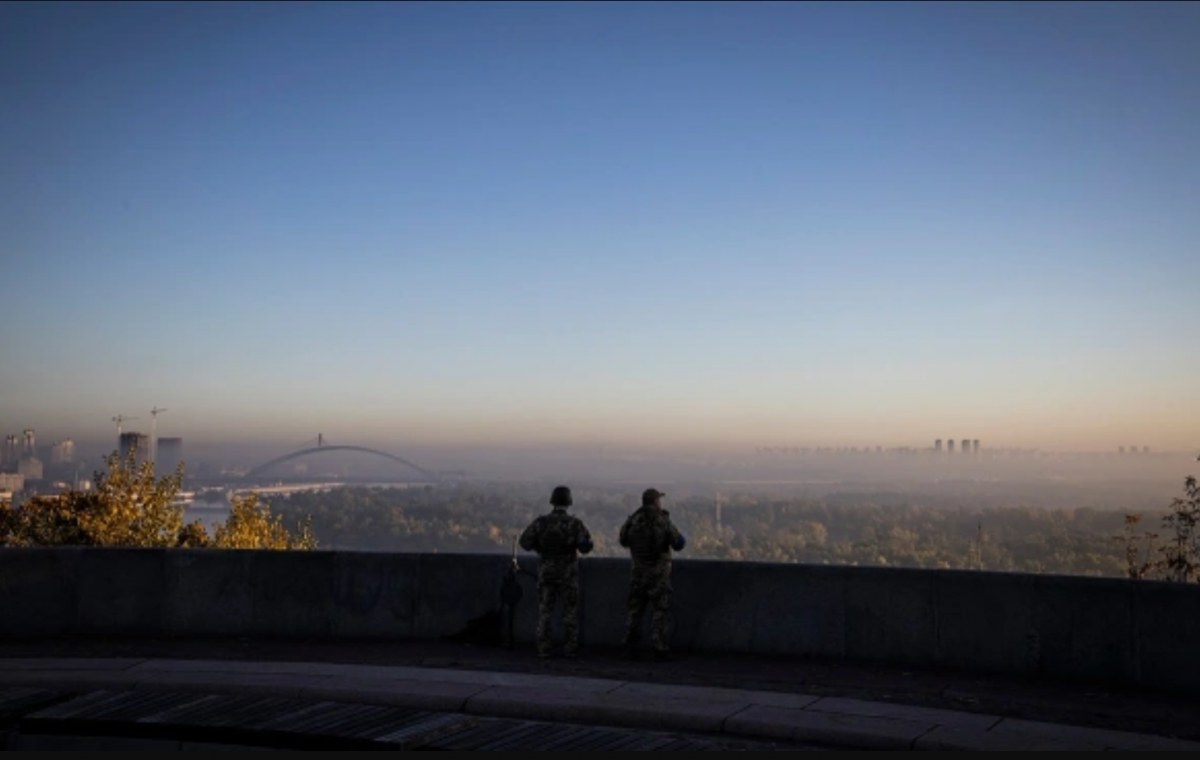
{"x": 937, "y": 445}
{"x": 11, "y": 453}
{"x": 1145, "y": 449}
{"x": 966, "y": 446}
{"x": 137, "y": 443}
{"x": 950, "y": 446}
{"x": 29, "y": 444}
{"x": 720, "y": 499}
{"x": 975, "y": 447}
{"x": 169, "y": 456}
{"x": 1121, "y": 450}
{"x": 154, "y": 432}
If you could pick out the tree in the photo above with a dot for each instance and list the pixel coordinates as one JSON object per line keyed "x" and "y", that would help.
{"x": 193, "y": 536}
{"x": 1138, "y": 563}
{"x": 130, "y": 507}
{"x": 1181, "y": 555}
{"x": 251, "y": 525}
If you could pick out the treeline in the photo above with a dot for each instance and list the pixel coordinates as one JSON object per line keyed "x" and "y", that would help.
{"x": 902, "y": 530}
{"x": 130, "y": 507}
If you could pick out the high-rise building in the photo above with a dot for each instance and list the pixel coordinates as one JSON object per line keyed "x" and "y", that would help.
{"x": 135, "y": 442}
{"x": 966, "y": 446}
{"x": 1121, "y": 450}
{"x": 28, "y": 444}
{"x": 11, "y": 452}
{"x": 975, "y": 446}
{"x": 30, "y": 468}
{"x": 1145, "y": 449}
{"x": 950, "y": 446}
{"x": 937, "y": 445}
{"x": 170, "y": 455}
{"x": 63, "y": 452}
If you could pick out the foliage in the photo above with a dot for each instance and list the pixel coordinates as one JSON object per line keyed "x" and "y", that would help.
{"x": 1139, "y": 563}
{"x": 131, "y": 507}
{"x": 857, "y": 528}
{"x": 251, "y": 525}
{"x": 1181, "y": 555}
{"x": 1179, "y": 558}
{"x": 193, "y": 536}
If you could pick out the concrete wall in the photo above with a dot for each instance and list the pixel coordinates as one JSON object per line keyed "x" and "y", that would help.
{"x": 1093, "y": 629}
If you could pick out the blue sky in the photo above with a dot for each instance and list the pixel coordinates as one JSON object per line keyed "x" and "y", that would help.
{"x": 708, "y": 223}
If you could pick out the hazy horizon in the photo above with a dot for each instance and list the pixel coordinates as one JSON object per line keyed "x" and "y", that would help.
{"x": 746, "y": 469}
{"x": 685, "y": 448}
{"x": 527, "y": 227}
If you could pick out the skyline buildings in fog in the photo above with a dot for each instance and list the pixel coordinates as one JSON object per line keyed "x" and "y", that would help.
{"x": 133, "y": 437}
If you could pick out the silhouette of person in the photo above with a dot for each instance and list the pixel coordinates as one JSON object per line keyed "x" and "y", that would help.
{"x": 559, "y": 539}
{"x": 650, "y": 537}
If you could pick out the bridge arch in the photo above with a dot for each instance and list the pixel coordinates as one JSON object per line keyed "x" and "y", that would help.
{"x": 258, "y": 471}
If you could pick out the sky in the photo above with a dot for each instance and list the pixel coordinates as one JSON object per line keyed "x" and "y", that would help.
{"x": 651, "y": 224}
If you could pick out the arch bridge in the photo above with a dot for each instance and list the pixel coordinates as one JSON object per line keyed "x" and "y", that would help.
{"x": 323, "y": 447}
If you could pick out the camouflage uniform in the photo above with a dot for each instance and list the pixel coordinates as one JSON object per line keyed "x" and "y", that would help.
{"x": 558, "y": 538}
{"x": 650, "y": 536}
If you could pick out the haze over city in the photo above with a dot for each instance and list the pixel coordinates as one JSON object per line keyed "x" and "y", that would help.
{"x": 764, "y": 369}
{"x": 581, "y": 227}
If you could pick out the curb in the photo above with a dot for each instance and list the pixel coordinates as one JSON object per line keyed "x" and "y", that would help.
{"x": 799, "y": 718}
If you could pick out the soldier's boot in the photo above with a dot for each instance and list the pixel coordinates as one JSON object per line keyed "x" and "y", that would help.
{"x": 571, "y": 647}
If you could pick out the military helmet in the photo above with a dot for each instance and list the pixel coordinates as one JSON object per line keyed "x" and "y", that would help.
{"x": 561, "y": 497}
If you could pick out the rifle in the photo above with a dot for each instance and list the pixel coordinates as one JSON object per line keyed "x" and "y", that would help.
{"x": 511, "y": 593}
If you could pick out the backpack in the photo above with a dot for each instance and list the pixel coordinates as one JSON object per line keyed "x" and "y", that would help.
{"x": 557, "y": 539}
{"x": 646, "y": 538}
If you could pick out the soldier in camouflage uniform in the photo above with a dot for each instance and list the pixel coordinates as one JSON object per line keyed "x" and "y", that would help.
{"x": 559, "y": 539}
{"x": 650, "y": 537}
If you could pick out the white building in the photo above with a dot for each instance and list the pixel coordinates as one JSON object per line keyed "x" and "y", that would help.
{"x": 12, "y": 482}
{"x": 62, "y": 452}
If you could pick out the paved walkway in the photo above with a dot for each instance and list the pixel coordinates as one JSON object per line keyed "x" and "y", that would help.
{"x": 565, "y": 691}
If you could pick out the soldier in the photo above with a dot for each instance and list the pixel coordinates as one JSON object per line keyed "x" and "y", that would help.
{"x": 559, "y": 539}
{"x": 650, "y": 537}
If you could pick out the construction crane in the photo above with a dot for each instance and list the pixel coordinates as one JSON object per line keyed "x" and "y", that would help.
{"x": 154, "y": 432}
{"x": 119, "y": 419}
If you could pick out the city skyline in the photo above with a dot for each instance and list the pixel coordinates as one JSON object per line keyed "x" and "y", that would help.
{"x": 653, "y": 226}
{"x": 796, "y": 445}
